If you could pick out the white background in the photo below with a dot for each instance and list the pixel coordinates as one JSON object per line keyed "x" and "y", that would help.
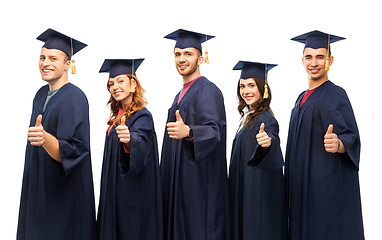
{"x": 244, "y": 30}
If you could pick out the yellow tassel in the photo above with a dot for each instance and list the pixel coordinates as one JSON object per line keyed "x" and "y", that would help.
{"x": 266, "y": 91}
{"x": 206, "y": 60}
{"x": 132, "y": 85}
{"x": 74, "y": 71}
{"x": 327, "y": 64}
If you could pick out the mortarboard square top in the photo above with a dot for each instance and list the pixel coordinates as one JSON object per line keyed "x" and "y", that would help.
{"x": 186, "y": 39}
{"x": 316, "y": 39}
{"x": 57, "y": 40}
{"x": 117, "y": 67}
{"x": 253, "y": 69}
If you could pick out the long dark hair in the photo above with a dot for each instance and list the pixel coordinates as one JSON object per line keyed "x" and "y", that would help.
{"x": 260, "y": 106}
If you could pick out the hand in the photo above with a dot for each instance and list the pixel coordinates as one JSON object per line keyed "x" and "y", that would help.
{"x": 123, "y": 131}
{"x": 332, "y": 143}
{"x": 262, "y": 137}
{"x": 177, "y": 130}
{"x": 36, "y": 134}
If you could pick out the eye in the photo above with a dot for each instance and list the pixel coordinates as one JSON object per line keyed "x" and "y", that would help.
{"x": 241, "y": 86}
{"x": 42, "y": 58}
{"x": 111, "y": 84}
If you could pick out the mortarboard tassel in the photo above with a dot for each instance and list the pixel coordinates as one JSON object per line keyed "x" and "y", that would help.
{"x": 327, "y": 58}
{"x": 266, "y": 91}
{"x": 74, "y": 70}
{"x": 327, "y": 64}
{"x": 265, "y": 85}
{"x": 206, "y": 60}
{"x": 132, "y": 84}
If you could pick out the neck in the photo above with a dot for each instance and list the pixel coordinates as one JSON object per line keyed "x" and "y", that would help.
{"x": 56, "y": 84}
{"x": 191, "y": 77}
{"x": 127, "y": 101}
{"x": 314, "y": 83}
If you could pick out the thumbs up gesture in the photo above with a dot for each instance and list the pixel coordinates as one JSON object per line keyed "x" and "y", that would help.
{"x": 123, "y": 131}
{"x": 262, "y": 137}
{"x": 36, "y": 134}
{"x": 332, "y": 143}
{"x": 177, "y": 130}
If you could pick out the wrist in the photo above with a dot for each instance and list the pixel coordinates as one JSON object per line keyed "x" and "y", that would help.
{"x": 190, "y": 133}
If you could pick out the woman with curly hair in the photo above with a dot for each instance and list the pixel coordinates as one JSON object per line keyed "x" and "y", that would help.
{"x": 130, "y": 205}
{"x": 256, "y": 181}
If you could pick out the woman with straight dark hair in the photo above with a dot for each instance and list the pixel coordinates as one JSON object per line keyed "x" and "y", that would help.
{"x": 130, "y": 205}
{"x": 256, "y": 181}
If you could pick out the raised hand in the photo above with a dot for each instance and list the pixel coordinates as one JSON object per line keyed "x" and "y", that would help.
{"x": 123, "y": 131}
{"x": 36, "y": 134}
{"x": 177, "y": 130}
{"x": 262, "y": 137}
{"x": 331, "y": 142}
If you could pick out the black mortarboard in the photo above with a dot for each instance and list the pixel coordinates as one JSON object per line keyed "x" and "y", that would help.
{"x": 253, "y": 69}
{"x": 57, "y": 40}
{"x": 117, "y": 67}
{"x": 316, "y": 39}
{"x": 186, "y": 39}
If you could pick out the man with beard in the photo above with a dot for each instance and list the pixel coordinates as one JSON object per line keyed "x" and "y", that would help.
{"x": 323, "y": 153}
{"x": 193, "y": 160}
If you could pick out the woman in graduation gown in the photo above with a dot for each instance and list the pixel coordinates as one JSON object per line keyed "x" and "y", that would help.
{"x": 130, "y": 204}
{"x": 256, "y": 181}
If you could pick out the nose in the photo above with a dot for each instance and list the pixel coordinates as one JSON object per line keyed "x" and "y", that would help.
{"x": 314, "y": 62}
{"x": 181, "y": 58}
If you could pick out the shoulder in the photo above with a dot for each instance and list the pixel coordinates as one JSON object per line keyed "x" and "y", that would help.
{"x": 266, "y": 117}
{"x": 207, "y": 85}
{"x": 73, "y": 91}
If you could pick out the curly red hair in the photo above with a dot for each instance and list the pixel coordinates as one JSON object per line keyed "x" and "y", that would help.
{"x": 138, "y": 103}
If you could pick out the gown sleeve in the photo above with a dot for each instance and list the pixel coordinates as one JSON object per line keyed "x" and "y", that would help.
{"x": 141, "y": 146}
{"x": 73, "y": 131}
{"x": 270, "y": 158}
{"x": 211, "y": 122}
{"x": 337, "y": 110}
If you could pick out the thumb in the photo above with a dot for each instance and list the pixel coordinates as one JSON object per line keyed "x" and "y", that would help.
{"x": 123, "y": 120}
{"x": 38, "y": 120}
{"x": 262, "y": 128}
{"x": 178, "y": 117}
{"x": 330, "y": 129}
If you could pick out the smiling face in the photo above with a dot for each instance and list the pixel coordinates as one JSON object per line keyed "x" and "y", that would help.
{"x": 249, "y": 91}
{"x": 119, "y": 88}
{"x": 314, "y": 63}
{"x": 187, "y": 62}
{"x": 54, "y": 65}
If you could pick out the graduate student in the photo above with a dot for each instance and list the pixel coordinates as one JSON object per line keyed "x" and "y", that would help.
{"x": 130, "y": 205}
{"x": 57, "y": 197}
{"x": 323, "y": 151}
{"x": 193, "y": 160}
{"x": 256, "y": 180}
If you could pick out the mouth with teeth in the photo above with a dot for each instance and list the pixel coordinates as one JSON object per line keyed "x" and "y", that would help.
{"x": 182, "y": 67}
{"x": 47, "y": 70}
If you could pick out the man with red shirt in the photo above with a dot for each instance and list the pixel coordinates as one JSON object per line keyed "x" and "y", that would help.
{"x": 323, "y": 153}
{"x": 193, "y": 160}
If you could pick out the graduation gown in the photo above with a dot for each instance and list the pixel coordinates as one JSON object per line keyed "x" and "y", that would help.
{"x": 57, "y": 199}
{"x": 323, "y": 188}
{"x": 130, "y": 204}
{"x": 257, "y": 185}
{"x": 194, "y": 173}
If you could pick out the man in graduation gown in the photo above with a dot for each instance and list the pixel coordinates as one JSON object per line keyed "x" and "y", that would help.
{"x": 57, "y": 198}
{"x": 323, "y": 153}
{"x": 193, "y": 160}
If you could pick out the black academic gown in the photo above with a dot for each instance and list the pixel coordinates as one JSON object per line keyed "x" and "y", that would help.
{"x": 323, "y": 188}
{"x": 257, "y": 185}
{"x": 194, "y": 173}
{"x": 130, "y": 204}
{"x": 57, "y": 199}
